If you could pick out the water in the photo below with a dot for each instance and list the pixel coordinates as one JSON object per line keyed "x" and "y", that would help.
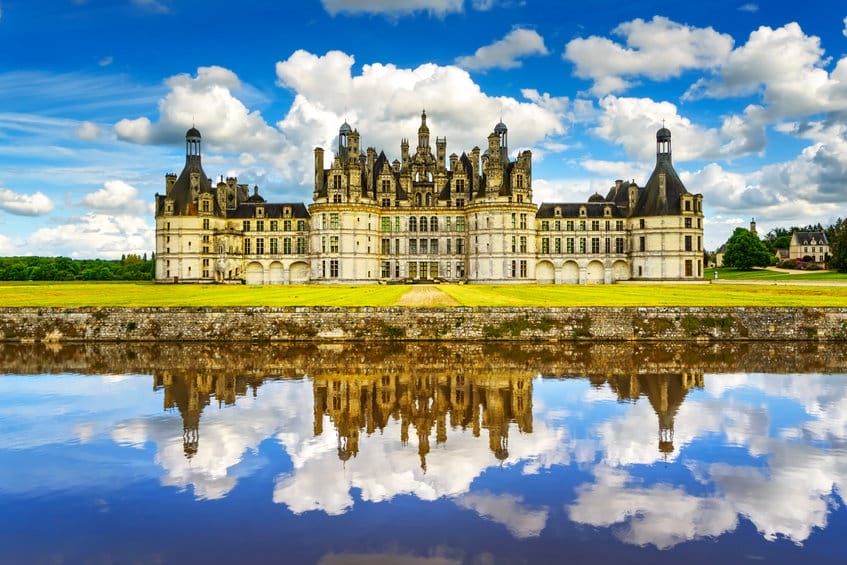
{"x": 423, "y": 454}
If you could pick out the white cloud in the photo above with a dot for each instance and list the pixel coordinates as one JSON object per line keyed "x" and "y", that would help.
{"x": 787, "y": 67}
{"x": 392, "y": 7}
{"x": 95, "y": 235}
{"x": 632, "y": 123}
{"x": 456, "y": 106}
{"x": 844, "y": 31}
{"x": 116, "y": 196}
{"x": 36, "y": 204}
{"x": 88, "y": 131}
{"x": 154, "y": 6}
{"x": 106, "y": 61}
{"x": 505, "y": 53}
{"x": 749, "y": 7}
{"x": 658, "y": 49}
{"x": 508, "y": 510}
{"x": 5, "y": 245}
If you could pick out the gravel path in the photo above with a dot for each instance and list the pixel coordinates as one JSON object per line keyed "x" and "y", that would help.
{"x": 426, "y": 295}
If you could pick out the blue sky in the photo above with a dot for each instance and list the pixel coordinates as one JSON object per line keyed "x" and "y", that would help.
{"x": 96, "y": 95}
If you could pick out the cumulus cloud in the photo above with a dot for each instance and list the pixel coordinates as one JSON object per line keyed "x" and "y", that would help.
{"x": 392, "y": 7}
{"x": 88, "y": 131}
{"x": 658, "y": 49}
{"x": 508, "y": 510}
{"x": 632, "y": 123}
{"x": 95, "y": 235}
{"x": 115, "y": 196}
{"x": 794, "y": 83}
{"x": 36, "y": 204}
{"x": 456, "y": 106}
{"x": 505, "y": 53}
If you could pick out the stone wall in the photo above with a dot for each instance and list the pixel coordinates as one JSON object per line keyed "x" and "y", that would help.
{"x": 384, "y": 324}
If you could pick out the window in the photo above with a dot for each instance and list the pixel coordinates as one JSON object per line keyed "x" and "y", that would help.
{"x": 514, "y": 221}
{"x": 260, "y": 225}
{"x": 642, "y": 244}
{"x": 688, "y": 243}
{"x": 286, "y": 225}
{"x": 558, "y": 225}
{"x": 336, "y": 182}
{"x": 413, "y": 224}
{"x": 460, "y": 223}
{"x": 523, "y": 244}
{"x": 641, "y": 223}
{"x": 433, "y": 270}
{"x": 449, "y": 241}
{"x": 301, "y": 245}
{"x": 619, "y": 245}
{"x": 569, "y": 225}
{"x": 460, "y": 203}
{"x": 333, "y": 221}
{"x": 545, "y": 225}
{"x": 386, "y": 246}
{"x": 260, "y": 245}
{"x": 386, "y": 224}
{"x": 413, "y": 246}
{"x": 582, "y": 225}
{"x": 608, "y": 245}
{"x": 333, "y": 244}
{"x": 386, "y": 269}
{"x": 687, "y": 205}
{"x": 689, "y": 268}
{"x": 386, "y": 203}
{"x": 323, "y": 245}
{"x": 286, "y": 246}
{"x": 247, "y": 247}
{"x": 433, "y": 224}
{"x": 514, "y": 269}
{"x": 274, "y": 225}
{"x": 245, "y": 225}
{"x": 423, "y": 270}
{"x": 595, "y": 225}
{"x": 582, "y": 245}
{"x": 206, "y": 223}
{"x": 687, "y": 222}
{"x": 545, "y": 245}
{"x": 333, "y": 268}
{"x": 274, "y": 246}
{"x": 523, "y": 268}
{"x": 514, "y": 244}
{"x": 205, "y": 205}
{"x": 619, "y": 225}
{"x": 570, "y": 246}
{"x": 557, "y": 245}
{"x": 301, "y": 225}
{"x": 523, "y": 221}
{"x": 423, "y": 247}
{"x": 595, "y": 245}
{"x": 386, "y": 186}
{"x": 460, "y": 246}
{"x": 413, "y": 270}
{"x": 423, "y": 224}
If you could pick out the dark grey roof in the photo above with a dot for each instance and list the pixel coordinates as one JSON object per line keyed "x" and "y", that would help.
{"x": 806, "y": 237}
{"x": 650, "y": 201}
{"x": 500, "y": 128}
{"x": 620, "y": 194}
{"x": 181, "y": 191}
{"x": 273, "y": 211}
{"x": 570, "y": 210}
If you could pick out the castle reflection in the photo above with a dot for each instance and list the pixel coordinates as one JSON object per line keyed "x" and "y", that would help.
{"x": 430, "y": 389}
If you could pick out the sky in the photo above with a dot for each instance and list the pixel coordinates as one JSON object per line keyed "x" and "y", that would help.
{"x": 96, "y": 96}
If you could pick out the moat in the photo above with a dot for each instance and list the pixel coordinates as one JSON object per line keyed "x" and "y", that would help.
{"x": 424, "y": 453}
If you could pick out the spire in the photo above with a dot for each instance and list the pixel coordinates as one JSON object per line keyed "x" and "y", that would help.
{"x": 423, "y": 133}
{"x": 663, "y": 143}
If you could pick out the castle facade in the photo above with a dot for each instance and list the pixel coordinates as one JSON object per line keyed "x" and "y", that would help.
{"x": 426, "y": 217}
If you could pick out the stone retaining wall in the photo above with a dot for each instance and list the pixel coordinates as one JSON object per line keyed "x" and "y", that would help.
{"x": 385, "y": 324}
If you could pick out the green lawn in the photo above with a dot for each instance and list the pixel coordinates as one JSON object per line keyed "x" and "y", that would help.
{"x": 74, "y": 294}
{"x": 726, "y": 273}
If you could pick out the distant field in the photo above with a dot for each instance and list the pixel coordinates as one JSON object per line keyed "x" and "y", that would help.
{"x": 74, "y": 294}
{"x": 768, "y": 275}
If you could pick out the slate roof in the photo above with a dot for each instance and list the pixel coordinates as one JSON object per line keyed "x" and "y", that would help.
{"x": 570, "y": 210}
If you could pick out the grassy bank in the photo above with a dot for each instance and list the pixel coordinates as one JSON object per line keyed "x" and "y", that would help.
{"x": 76, "y": 294}
{"x": 773, "y": 275}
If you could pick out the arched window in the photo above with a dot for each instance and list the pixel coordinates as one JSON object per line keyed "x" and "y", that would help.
{"x": 428, "y": 199}
{"x": 423, "y": 223}
{"x": 433, "y": 224}
{"x": 413, "y": 224}
{"x": 418, "y": 199}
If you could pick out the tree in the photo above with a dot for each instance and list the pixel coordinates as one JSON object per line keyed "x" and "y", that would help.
{"x": 837, "y": 236}
{"x": 744, "y": 250}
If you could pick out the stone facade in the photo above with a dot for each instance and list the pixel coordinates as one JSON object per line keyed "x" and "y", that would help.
{"x": 426, "y": 217}
{"x": 366, "y": 324}
{"x": 811, "y": 245}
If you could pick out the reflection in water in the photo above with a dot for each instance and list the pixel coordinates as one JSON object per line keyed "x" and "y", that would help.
{"x": 652, "y": 446}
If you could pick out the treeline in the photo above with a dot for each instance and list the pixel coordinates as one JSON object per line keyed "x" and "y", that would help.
{"x": 128, "y": 268}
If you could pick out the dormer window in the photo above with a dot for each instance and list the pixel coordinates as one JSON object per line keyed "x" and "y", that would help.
{"x": 260, "y": 211}
{"x": 582, "y": 212}
{"x": 557, "y": 212}
{"x": 607, "y": 212}
{"x": 286, "y": 212}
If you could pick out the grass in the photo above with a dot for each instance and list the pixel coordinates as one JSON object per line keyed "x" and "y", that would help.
{"x": 76, "y": 294}
{"x": 767, "y": 275}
